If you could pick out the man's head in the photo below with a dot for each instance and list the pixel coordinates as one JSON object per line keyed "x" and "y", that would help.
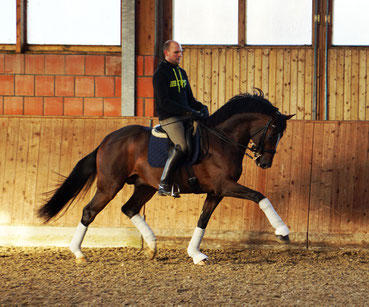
{"x": 172, "y": 52}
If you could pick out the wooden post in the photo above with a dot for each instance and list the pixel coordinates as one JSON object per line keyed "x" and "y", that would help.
{"x": 241, "y": 22}
{"x": 164, "y": 25}
{"x": 21, "y": 26}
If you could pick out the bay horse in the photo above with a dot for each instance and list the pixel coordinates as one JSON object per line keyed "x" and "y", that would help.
{"x": 121, "y": 158}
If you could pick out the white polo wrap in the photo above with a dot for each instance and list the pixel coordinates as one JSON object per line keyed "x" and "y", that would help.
{"x": 75, "y": 245}
{"x": 273, "y": 217}
{"x": 193, "y": 249}
{"x": 145, "y": 230}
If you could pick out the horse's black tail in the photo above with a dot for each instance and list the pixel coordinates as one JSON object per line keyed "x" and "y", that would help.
{"x": 83, "y": 175}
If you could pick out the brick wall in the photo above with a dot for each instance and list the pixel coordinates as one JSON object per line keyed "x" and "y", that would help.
{"x": 71, "y": 85}
{"x": 145, "y": 66}
{"x": 57, "y": 84}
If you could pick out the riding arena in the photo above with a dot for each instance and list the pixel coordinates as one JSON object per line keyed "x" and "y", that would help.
{"x": 274, "y": 197}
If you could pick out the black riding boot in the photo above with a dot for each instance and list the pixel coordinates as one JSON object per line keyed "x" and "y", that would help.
{"x": 176, "y": 156}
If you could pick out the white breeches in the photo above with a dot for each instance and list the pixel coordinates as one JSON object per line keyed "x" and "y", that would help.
{"x": 273, "y": 217}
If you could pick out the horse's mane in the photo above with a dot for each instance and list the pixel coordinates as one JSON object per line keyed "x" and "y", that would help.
{"x": 242, "y": 103}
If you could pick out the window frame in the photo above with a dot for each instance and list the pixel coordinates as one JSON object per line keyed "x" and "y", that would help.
{"x": 243, "y": 23}
{"x": 321, "y": 18}
{"x": 21, "y": 45}
{"x": 242, "y": 31}
{"x": 172, "y": 19}
{"x": 321, "y": 15}
{"x": 329, "y": 20}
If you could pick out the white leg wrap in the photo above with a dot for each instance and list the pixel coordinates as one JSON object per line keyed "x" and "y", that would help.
{"x": 145, "y": 230}
{"x": 193, "y": 249}
{"x": 75, "y": 245}
{"x": 273, "y": 217}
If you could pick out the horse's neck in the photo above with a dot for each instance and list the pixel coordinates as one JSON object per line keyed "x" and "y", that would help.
{"x": 238, "y": 127}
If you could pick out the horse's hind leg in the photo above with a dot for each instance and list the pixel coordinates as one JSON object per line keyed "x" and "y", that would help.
{"x": 141, "y": 195}
{"x": 98, "y": 202}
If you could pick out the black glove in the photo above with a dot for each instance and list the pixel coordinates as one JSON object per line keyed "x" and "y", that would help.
{"x": 196, "y": 115}
{"x": 205, "y": 111}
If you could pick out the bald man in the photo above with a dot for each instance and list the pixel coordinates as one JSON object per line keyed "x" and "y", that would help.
{"x": 173, "y": 102}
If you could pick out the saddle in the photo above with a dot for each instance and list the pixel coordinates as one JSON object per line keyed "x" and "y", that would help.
{"x": 159, "y": 145}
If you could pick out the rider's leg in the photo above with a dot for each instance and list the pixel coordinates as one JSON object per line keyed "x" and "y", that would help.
{"x": 176, "y": 132}
{"x": 176, "y": 156}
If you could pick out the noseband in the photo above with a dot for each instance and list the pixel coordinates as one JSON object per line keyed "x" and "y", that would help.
{"x": 259, "y": 149}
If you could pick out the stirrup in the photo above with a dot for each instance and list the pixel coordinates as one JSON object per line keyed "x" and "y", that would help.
{"x": 166, "y": 190}
{"x": 175, "y": 191}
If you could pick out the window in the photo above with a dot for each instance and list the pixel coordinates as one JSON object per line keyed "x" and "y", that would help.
{"x": 205, "y": 22}
{"x": 350, "y": 22}
{"x": 74, "y": 22}
{"x": 8, "y": 28}
{"x": 279, "y": 22}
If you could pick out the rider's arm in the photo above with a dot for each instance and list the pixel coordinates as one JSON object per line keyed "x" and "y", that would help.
{"x": 192, "y": 102}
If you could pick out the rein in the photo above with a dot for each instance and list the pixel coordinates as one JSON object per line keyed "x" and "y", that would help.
{"x": 257, "y": 150}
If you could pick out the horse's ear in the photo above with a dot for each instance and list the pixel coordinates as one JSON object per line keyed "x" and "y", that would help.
{"x": 289, "y": 116}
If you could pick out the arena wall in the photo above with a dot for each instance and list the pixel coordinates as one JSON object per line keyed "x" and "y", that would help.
{"x": 58, "y": 102}
{"x": 286, "y": 76}
{"x": 318, "y": 184}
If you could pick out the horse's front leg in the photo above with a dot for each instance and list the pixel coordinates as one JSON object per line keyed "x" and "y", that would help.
{"x": 193, "y": 249}
{"x": 233, "y": 189}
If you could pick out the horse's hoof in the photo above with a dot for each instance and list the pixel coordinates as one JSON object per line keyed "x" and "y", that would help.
{"x": 283, "y": 239}
{"x": 81, "y": 260}
{"x": 204, "y": 262}
{"x": 151, "y": 253}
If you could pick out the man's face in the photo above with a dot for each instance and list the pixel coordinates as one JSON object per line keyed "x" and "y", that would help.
{"x": 174, "y": 54}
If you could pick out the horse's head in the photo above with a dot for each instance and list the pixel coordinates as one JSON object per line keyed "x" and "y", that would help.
{"x": 266, "y": 133}
{"x": 265, "y": 124}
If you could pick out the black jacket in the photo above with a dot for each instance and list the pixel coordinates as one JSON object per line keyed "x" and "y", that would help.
{"x": 172, "y": 92}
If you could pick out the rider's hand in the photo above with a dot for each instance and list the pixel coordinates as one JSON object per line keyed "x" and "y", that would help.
{"x": 205, "y": 111}
{"x": 197, "y": 115}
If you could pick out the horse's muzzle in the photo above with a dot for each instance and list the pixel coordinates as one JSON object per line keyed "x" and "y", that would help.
{"x": 263, "y": 164}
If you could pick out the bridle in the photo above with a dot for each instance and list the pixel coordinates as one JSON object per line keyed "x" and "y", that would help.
{"x": 256, "y": 149}
{"x": 259, "y": 149}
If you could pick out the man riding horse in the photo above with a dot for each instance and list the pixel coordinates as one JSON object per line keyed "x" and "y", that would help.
{"x": 173, "y": 102}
